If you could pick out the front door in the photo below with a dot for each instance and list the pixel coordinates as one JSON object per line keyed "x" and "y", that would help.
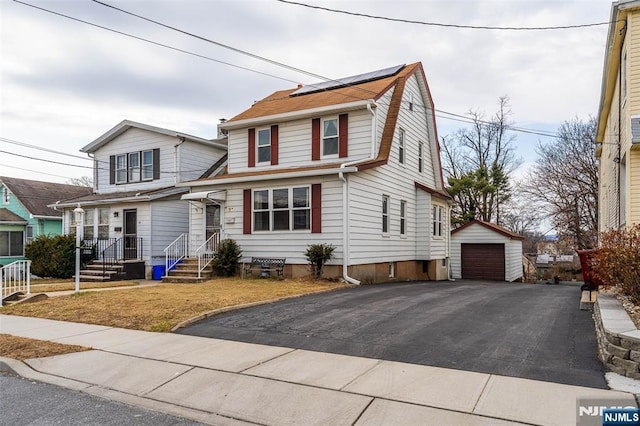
{"x": 212, "y": 220}
{"x": 130, "y": 234}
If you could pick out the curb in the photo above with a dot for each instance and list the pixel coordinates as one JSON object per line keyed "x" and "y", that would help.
{"x": 9, "y": 366}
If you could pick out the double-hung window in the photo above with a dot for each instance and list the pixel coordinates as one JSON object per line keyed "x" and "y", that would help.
{"x": 103, "y": 223}
{"x": 5, "y": 195}
{"x": 134, "y": 167}
{"x": 401, "y": 147}
{"x": 420, "y": 161}
{"x": 330, "y": 137}
{"x": 147, "y": 165}
{"x": 282, "y": 209}
{"x": 403, "y": 218}
{"x": 121, "y": 168}
{"x": 29, "y": 237}
{"x": 264, "y": 146}
{"x": 89, "y": 221}
{"x": 385, "y": 214}
{"x": 437, "y": 220}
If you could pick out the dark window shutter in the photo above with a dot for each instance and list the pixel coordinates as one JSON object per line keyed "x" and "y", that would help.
{"x": 315, "y": 139}
{"x": 316, "y": 208}
{"x": 112, "y": 169}
{"x": 246, "y": 212}
{"x": 156, "y": 163}
{"x": 343, "y": 135}
{"x": 252, "y": 148}
{"x": 274, "y": 145}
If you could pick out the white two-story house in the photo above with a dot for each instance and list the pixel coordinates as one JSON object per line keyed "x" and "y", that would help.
{"x": 135, "y": 210}
{"x": 354, "y": 163}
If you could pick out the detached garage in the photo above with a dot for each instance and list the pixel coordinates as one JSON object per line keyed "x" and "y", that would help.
{"x": 484, "y": 251}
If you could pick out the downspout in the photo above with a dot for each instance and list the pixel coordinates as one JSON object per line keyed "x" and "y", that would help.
{"x": 371, "y": 107}
{"x": 623, "y": 33}
{"x": 176, "y": 155}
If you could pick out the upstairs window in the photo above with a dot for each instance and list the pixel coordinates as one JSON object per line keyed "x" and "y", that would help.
{"x": 403, "y": 218}
{"x": 330, "y": 137}
{"x": 5, "y": 195}
{"x": 401, "y": 147}
{"x": 264, "y": 146}
{"x": 134, "y": 167}
{"x": 147, "y": 165}
{"x": 420, "y": 149}
{"x": 411, "y": 101}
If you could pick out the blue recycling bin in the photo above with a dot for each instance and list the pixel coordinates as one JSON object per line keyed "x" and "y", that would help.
{"x": 158, "y": 272}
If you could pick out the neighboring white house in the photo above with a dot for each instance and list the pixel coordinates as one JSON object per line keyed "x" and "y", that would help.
{"x": 135, "y": 207}
{"x": 485, "y": 251}
{"x": 353, "y": 162}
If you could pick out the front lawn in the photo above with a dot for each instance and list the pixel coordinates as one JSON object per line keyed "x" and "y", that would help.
{"x": 162, "y": 307}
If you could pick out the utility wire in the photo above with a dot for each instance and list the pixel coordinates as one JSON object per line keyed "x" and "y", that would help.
{"x": 24, "y": 144}
{"x": 438, "y": 24}
{"x": 47, "y": 161}
{"x": 34, "y": 171}
{"x": 462, "y": 118}
{"x": 153, "y": 42}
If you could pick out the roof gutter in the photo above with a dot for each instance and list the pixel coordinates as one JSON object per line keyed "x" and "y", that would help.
{"x": 263, "y": 177}
{"x": 231, "y": 125}
{"x": 372, "y": 108}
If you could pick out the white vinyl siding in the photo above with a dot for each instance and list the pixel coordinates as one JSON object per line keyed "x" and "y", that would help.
{"x": 294, "y": 143}
{"x": 288, "y": 244}
{"x": 170, "y": 219}
{"x": 191, "y": 158}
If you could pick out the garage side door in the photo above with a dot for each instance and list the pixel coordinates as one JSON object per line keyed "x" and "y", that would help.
{"x": 483, "y": 261}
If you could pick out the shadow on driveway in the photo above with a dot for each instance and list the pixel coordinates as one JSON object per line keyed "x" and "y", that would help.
{"x": 532, "y": 331}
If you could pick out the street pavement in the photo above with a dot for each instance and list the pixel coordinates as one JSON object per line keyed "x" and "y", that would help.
{"x": 222, "y": 382}
{"x": 510, "y": 329}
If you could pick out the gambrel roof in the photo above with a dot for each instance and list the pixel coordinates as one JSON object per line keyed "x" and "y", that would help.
{"x": 286, "y": 105}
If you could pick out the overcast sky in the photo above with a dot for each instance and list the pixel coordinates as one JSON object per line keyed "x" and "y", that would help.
{"x": 64, "y": 83}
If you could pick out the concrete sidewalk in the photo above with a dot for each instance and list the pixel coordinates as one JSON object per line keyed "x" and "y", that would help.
{"x": 231, "y": 383}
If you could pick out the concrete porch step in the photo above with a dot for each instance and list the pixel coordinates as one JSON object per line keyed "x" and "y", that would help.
{"x": 183, "y": 280}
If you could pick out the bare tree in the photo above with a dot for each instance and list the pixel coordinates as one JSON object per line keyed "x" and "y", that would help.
{"x": 564, "y": 182}
{"x": 81, "y": 181}
{"x": 478, "y": 161}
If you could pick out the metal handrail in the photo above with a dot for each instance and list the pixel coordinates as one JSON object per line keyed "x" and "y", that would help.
{"x": 176, "y": 251}
{"x": 118, "y": 250}
{"x": 15, "y": 277}
{"x": 207, "y": 251}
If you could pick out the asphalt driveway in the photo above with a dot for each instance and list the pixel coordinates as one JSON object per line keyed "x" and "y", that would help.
{"x": 533, "y": 331}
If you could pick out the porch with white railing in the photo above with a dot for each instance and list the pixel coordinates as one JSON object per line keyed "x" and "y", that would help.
{"x": 15, "y": 277}
{"x": 186, "y": 262}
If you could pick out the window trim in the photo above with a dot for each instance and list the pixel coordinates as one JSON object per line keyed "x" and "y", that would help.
{"x": 9, "y": 252}
{"x": 403, "y": 218}
{"x": 144, "y": 166}
{"x": 258, "y": 146}
{"x": 290, "y": 209}
{"x": 437, "y": 224}
{"x": 401, "y": 146}
{"x": 385, "y": 210}
{"x": 323, "y": 138}
{"x": 123, "y": 168}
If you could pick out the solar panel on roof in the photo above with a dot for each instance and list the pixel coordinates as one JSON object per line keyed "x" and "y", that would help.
{"x": 348, "y": 81}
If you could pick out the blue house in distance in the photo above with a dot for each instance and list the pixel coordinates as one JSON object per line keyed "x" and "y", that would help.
{"x": 24, "y": 214}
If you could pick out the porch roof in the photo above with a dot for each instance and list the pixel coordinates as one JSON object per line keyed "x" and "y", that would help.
{"x": 7, "y": 217}
{"x": 122, "y": 197}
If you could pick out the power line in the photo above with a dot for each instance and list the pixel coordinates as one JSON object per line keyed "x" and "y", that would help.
{"x": 34, "y": 171}
{"x": 438, "y": 24}
{"x": 461, "y": 118}
{"x": 154, "y": 42}
{"x": 46, "y": 161}
{"x": 14, "y": 142}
